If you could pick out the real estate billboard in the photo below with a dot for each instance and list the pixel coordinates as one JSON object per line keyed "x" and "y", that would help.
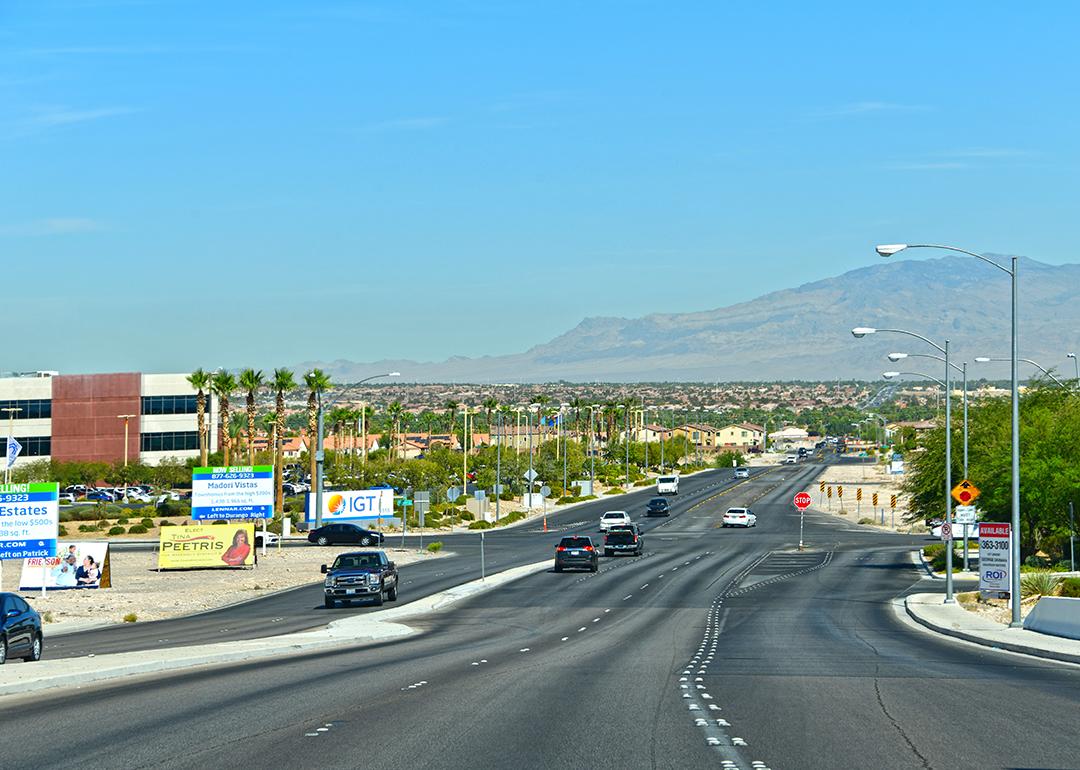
{"x": 236, "y": 492}
{"x": 29, "y": 520}
{"x": 78, "y": 565}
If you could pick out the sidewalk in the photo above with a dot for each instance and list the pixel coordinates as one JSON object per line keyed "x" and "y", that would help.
{"x": 953, "y": 620}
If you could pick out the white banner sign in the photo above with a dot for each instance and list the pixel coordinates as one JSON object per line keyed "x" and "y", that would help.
{"x": 352, "y": 506}
{"x": 994, "y": 562}
{"x": 77, "y": 565}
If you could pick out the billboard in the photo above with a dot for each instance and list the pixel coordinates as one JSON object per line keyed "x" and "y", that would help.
{"x": 236, "y": 492}
{"x": 229, "y": 545}
{"x": 78, "y": 565}
{"x": 29, "y": 520}
{"x": 364, "y": 505}
{"x": 995, "y": 552}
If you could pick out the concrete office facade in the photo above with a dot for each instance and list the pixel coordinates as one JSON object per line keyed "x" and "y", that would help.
{"x": 72, "y": 418}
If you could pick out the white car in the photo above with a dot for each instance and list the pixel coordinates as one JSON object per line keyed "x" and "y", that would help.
{"x": 739, "y": 517}
{"x": 742, "y": 473}
{"x": 66, "y": 498}
{"x": 791, "y": 460}
{"x": 613, "y": 518}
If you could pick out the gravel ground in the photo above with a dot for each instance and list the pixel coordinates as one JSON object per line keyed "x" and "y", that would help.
{"x": 871, "y": 479}
{"x": 151, "y": 595}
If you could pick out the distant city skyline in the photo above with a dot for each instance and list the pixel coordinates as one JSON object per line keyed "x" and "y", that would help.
{"x": 191, "y": 184}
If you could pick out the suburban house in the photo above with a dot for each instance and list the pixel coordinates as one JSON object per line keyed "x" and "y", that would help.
{"x": 699, "y": 435}
{"x": 742, "y": 436}
{"x": 789, "y": 438}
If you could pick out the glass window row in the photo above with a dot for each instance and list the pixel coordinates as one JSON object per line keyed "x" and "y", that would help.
{"x": 29, "y": 408}
{"x": 169, "y": 404}
{"x": 170, "y": 441}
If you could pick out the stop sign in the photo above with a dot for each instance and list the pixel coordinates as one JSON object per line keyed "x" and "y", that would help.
{"x": 802, "y": 501}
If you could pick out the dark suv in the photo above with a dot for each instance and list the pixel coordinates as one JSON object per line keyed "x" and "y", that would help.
{"x": 360, "y": 575}
{"x": 576, "y": 551}
{"x": 624, "y": 540}
{"x": 20, "y": 629}
{"x": 658, "y": 506}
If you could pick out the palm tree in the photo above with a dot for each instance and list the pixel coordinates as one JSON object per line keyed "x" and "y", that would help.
{"x": 541, "y": 400}
{"x": 283, "y": 383}
{"x": 223, "y": 385}
{"x": 316, "y": 381}
{"x": 251, "y": 382}
{"x": 394, "y": 412}
{"x": 452, "y": 407}
{"x": 269, "y": 424}
{"x": 200, "y": 380}
{"x": 490, "y": 404}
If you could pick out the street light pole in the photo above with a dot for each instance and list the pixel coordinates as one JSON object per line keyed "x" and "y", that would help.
{"x": 125, "y": 418}
{"x": 626, "y": 438}
{"x": 1014, "y": 582}
{"x": 1076, "y": 367}
{"x": 319, "y": 454}
{"x": 11, "y": 410}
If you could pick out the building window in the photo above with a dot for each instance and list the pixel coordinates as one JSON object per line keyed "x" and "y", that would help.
{"x": 35, "y": 446}
{"x": 169, "y": 404}
{"x": 170, "y": 441}
{"x": 29, "y": 408}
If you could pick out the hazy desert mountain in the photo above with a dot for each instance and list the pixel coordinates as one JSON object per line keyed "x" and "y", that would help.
{"x": 799, "y": 333}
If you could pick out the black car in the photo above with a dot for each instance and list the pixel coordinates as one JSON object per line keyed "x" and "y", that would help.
{"x": 20, "y": 629}
{"x": 360, "y": 575}
{"x": 347, "y": 534}
{"x": 578, "y": 552}
{"x": 623, "y": 540}
{"x": 658, "y": 506}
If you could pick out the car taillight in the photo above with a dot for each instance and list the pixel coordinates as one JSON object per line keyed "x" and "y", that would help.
{"x": 561, "y": 548}
{"x": 588, "y": 548}
{"x": 635, "y": 538}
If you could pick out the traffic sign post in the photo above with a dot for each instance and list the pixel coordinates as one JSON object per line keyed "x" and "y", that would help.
{"x": 802, "y": 502}
{"x": 858, "y": 500}
{"x": 821, "y": 492}
{"x": 965, "y": 492}
{"x": 828, "y": 490}
{"x": 946, "y": 532}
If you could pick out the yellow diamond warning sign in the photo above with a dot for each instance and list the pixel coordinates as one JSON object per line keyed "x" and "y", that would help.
{"x": 965, "y": 492}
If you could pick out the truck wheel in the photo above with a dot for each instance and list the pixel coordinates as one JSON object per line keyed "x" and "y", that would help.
{"x": 379, "y": 599}
{"x": 329, "y": 603}
{"x": 392, "y": 594}
{"x": 607, "y": 552}
{"x": 594, "y": 568}
{"x": 558, "y": 568}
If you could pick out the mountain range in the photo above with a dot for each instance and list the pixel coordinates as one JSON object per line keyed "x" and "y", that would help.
{"x": 803, "y": 333}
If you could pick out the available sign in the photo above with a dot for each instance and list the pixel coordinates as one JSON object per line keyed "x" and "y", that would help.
{"x": 236, "y": 492}
{"x": 994, "y": 558}
{"x": 78, "y": 565}
{"x": 29, "y": 520}
{"x": 365, "y": 504}
{"x": 206, "y": 546}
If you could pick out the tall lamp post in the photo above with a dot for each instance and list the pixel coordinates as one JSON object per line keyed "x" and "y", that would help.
{"x": 1076, "y": 367}
{"x": 320, "y": 455}
{"x": 861, "y": 331}
{"x": 988, "y": 359}
{"x": 887, "y": 250}
{"x": 894, "y": 357}
{"x": 125, "y": 418}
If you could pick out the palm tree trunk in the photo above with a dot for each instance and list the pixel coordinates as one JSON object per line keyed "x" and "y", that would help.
{"x": 200, "y": 409}
{"x": 251, "y": 428}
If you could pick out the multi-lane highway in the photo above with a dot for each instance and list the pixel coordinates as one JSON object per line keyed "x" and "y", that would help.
{"x": 717, "y": 646}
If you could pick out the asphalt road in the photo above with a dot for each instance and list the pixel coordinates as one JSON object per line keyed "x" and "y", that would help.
{"x": 302, "y": 608}
{"x": 800, "y": 653}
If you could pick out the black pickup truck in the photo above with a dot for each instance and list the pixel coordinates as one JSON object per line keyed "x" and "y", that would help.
{"x": 360, "y": 575}
{"x": 626, "y": 539}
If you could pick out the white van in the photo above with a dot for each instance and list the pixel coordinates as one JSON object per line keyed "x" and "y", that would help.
{"x": 667, "y": 485}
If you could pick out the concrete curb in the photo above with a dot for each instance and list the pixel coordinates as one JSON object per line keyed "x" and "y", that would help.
{"x": 984, "y": 639}
{"x": 384, "y": 624}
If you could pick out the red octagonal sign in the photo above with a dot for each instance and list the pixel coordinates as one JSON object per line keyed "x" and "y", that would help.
{"x": 802, "y": 501}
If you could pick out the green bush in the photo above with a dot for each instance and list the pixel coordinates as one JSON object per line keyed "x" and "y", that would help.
{"x": 466, "y": 516}
{"x": 1070, "y": 587}
{"x": 865, "y": 520}
{"x": 220, "y": 522}
{"x": 116, "y": 531}
{"x": 61, "y": 531}
{"x": 480, "y": 525}
{"x": 88, "y": 528}
{"x": 462, "y": 499}
{"x": 510, "y": 518}
{"x": 434, "y": 547}
{"x": 103, "y": 523}
{"x": 614, "y": 491}
{"x": 506, "y": 496}
{"x": 147, "y": 522}
{"x": 165, "y": 523}
{"x": 122, "y": 520}
{"x": 137, "y": 529}
{"x": 131, "y": 617}
{"x": 1039, "y": 583}
{"x": 643, "y": 483}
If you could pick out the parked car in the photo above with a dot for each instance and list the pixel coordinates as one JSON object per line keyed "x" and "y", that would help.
{"x": 100, "y": 496}
{"x": 658, "y": 506}
{"x": 612, "y": 518}
{"x": 271, "y": 539}
{"x": 739, "y": 517}
{"x": 360, "y": 575}
{"x": 347, "y": 534}
{"x": 20, "y": 629}
{"x": 577, "y": 551}
{"x": 624, "y": 540}
{"x": 742, "y": 473}
{"x": 66, "y": 498}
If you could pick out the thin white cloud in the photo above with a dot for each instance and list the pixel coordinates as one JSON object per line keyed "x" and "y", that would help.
{"x": 51, "y": 226}
{"x": 47, "y": 117}
{"x": 867, "y": 108}
{"x": 945, "y": 165}
{"x": 407, "y": 124}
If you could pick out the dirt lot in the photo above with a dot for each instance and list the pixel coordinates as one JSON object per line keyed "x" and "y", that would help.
{"x": 139, "y": 589}
{"x": 871, "y": 479}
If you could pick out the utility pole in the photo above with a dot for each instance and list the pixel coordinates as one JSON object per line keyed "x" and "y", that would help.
{"x": 626, "y": 438}
{"x": 1072, "y": 538}
{"x": 498, "y": 466}
{"x": 125, "y": 418}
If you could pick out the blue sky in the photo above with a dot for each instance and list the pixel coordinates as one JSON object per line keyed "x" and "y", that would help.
{"x": 263, "y": 183}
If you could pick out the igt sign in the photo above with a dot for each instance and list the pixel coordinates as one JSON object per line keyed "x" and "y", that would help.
{"x": 802, "y": 501}
{"x": 995, "y": 551}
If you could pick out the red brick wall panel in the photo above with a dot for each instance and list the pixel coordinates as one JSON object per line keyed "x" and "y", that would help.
{"x": 85, "y": 426}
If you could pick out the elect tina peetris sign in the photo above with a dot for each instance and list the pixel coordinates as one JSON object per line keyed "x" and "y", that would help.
{"x": 235, "y": 492}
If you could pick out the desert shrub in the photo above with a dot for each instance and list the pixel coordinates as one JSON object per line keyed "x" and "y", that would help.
{"x": 122, "y": 520}
{"x": 466, "y": 516}
{"x": 1039, "y": 583}
{"x": 166, "y": 523}
{"x": 480, "y": 525}
{"x": 865, "y": 520}
{"x": 435, "y": 547}
{"x": 137, "y": 529}
{"x": 1070, "y": 587}
{"x": 88, "y": 528}
{"x": 614, "y": 491}
{"x": 61, "y": 531}
{"x": 116, "y": 531}
{"x": 131, "y": 617}
{"x": 147, "y": 522}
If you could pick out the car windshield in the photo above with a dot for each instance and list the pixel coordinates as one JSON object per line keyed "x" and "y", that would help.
{"x": 575, "y": 542}
{"x": 356, "y": 561}
{"x": 667, "y": 479}
{"x": 618, "y": 515}
{"x": 658, "y": 501}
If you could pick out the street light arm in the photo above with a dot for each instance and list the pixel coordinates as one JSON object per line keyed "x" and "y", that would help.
{"x": 917, "y": 374}
{"x": 1040, "y": 367}
{"x": 936, "y": 358}
{"x": 928, "y": 341}
{"x": 989, "y": 261}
